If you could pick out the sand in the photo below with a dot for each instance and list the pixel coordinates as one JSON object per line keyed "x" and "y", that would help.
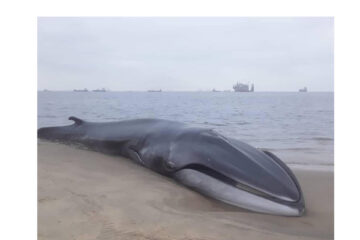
{"x": 88, "y": 195}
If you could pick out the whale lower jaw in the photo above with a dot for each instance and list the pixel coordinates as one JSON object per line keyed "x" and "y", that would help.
{"x": 212, "y": 187}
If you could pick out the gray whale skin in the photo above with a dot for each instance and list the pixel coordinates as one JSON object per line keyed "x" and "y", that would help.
{"x": 222, "y": 168}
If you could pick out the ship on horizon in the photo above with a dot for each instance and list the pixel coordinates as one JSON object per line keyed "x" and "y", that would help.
{"x": 241, "y": 87}
{"x": 81, "y": 90}
{"x": 100, "y": 90}
{"x": 155, "y": 90}
{"x": 303, "y": 89}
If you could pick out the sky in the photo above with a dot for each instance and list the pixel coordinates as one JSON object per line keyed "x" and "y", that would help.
{"x": 185, "y": 54}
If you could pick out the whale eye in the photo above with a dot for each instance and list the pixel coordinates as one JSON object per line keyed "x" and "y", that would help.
{"x": 169, "y": 165}
{"x": 163, "y": 165}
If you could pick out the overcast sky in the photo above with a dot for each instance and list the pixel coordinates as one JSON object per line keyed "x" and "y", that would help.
{"x": 276, "y": 54}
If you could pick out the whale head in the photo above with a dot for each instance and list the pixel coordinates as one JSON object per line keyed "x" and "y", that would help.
{"x": 234, "y": 172}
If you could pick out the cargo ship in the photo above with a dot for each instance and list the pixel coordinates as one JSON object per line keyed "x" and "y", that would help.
{"x": 303, "y": 89}
{"x": 241, "y": 87}
{"x": 81, "y": 90}
{"x": 100, "y": 90}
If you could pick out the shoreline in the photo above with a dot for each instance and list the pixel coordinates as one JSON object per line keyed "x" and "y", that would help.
{"x": 88, "y": 195}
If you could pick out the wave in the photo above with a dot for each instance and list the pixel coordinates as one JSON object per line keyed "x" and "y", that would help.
{"x": 290, "y": 149}
{"x": 310, "y": 163}
{"x": 47, "y": 116}
{"x": 323, "y": 138}
{"x": 214, "y": 124}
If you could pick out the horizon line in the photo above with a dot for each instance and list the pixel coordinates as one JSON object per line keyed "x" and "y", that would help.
{"x": 49, "y": 90}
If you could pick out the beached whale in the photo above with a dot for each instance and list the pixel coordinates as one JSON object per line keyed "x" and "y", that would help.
{"x": 222, "y": 168}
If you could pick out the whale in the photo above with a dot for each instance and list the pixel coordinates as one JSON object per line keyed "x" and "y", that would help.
{"x": 219, "y": 167}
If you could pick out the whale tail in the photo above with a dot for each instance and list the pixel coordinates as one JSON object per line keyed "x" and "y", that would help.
{"x": 49, "y": 133}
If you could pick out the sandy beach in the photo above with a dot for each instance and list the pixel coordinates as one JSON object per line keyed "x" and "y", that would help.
{"x": 88, "y": 195}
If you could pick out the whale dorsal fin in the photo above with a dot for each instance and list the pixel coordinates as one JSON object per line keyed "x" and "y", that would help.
{"x": 77, "y": 121}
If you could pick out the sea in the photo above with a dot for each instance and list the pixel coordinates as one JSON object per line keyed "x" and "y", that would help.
{"x": 298, "y": 127}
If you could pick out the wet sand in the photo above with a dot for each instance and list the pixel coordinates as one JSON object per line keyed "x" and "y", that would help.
{"x": 88, "y": 195}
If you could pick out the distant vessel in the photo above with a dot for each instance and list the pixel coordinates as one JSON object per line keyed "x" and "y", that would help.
{"x": 214, "y": 90}
{"x": 240, "y": 87}
{"x": 81, "y": 90}
{"x": 100, "y": 90}
{"x": 303, "y": 89}
{"x": 155, "y": 90}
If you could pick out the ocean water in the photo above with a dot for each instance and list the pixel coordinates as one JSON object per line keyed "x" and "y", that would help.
{"x": 298, "y": 127}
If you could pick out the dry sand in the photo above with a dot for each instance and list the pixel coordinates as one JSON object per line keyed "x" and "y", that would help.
{"x": 88, "y": 195}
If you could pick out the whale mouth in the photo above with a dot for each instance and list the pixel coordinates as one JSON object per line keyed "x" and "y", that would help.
{"x": 216, "y": 185}
{"x": 220, "y": 177}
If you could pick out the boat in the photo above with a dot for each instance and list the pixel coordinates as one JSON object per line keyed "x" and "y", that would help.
{"x": 214, "y": 90}
{"x": 81, "y": 90}
{"x": 100, "y": 90}
{"x": 303, "y": 89}
{"x": 241, "y": 87}
{"x": 155, "y": 90}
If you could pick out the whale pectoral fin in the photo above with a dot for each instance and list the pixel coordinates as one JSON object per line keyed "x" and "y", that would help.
{"x": 77, "y": 121}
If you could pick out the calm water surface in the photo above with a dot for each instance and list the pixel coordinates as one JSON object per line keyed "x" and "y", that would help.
{"x": 298, "y": 127}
